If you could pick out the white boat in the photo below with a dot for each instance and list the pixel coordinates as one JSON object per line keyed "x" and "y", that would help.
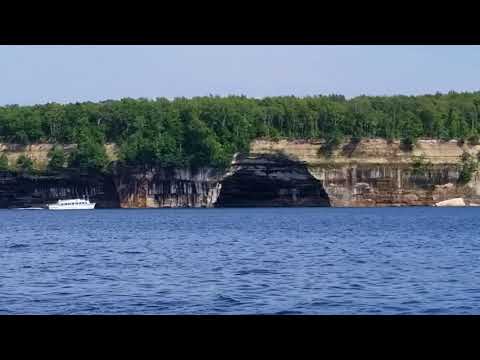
{"x": 72, "y": 204}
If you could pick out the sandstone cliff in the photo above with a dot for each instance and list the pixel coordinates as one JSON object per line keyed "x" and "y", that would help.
{"x": 167, "y": 187}
{"x": 375, "y": 172}
{"x": 371, "y": 172}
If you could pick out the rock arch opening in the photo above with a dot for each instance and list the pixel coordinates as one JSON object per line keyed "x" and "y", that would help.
{"x": 271, "y": 181}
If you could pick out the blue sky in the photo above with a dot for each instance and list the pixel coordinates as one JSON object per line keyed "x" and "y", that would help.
{"x": 41, "y": 74}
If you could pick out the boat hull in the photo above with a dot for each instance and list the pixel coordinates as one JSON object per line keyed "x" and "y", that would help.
{"x": 71, "y": 207}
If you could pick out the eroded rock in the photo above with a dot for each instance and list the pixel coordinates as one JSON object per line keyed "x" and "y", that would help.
{"x": 452, "y": 202}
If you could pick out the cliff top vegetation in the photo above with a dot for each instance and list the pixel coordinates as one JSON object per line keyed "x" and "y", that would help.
{"x": 209, "y": 130}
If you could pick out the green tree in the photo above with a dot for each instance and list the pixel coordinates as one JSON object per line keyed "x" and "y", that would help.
{"x": 209, "y": 130}
{"x": 4, "y": 163}
{"x": 24, "y": 164}
{"x": 474, "y": 139}
{"x": 421, "y": 165}
{"x": 408, "y": 142}
{"x": 468, "y": 167}
{"x": 332, "y": 142}
{"x": 89, "y": 155}
{"x": 57, "y": 158}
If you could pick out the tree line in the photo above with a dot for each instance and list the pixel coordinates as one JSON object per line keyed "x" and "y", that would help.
{"x": 209, "y": 130}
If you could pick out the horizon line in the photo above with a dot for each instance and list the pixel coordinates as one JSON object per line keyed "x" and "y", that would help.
{"x": 173, "y": 98}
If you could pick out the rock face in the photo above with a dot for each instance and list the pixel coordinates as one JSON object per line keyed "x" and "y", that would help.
{"x": 265, "y": 181}
{"x": 167, "y": 187}
{"x": 39, "y": 152}
{"x": 370, "y": 172}
{"x": 389, "y": 185}
{"x": 271, "y": 181}
{"x": 375, "y": 172}
{"x": 35, "y": 191}
{"x": 452, "y": 202}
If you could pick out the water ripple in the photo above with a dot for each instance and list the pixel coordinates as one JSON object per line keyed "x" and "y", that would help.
{"x": 241, "y": 261}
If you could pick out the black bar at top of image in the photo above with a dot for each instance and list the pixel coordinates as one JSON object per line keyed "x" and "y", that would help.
{"x": 242, "y": 26}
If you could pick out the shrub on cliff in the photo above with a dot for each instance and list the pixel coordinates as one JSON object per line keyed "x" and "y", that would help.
{"x": 468, "y": 167}
{"x": 331, "y": 143}
{"x": 421, "y": 165}
{"x": 408, "y": 143}
{"x": 474, "y": 139}
{"x": 24, "y": 164}
{"x": 3, "y": 163}
{"x": 57, "y": 158}
{"x": 89, "y": 155}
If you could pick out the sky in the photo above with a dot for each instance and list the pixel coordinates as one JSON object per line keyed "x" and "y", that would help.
{"x": 41, "y": 74}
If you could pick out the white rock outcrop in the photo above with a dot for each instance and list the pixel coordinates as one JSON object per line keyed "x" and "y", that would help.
{"x": 452, "y": 202}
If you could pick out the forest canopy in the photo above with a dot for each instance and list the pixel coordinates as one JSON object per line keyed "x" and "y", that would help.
{"x": 209, "y": 130}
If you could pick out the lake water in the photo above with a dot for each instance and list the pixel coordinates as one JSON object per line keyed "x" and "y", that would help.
{"x": 241, "y": 261}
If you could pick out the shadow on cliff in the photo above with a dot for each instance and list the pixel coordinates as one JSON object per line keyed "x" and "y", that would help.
{"x": 275, "y": 180}
{"x": 37, "y": 189}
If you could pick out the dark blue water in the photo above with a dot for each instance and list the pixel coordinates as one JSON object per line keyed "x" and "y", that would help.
{"x": 241, "y": 261}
